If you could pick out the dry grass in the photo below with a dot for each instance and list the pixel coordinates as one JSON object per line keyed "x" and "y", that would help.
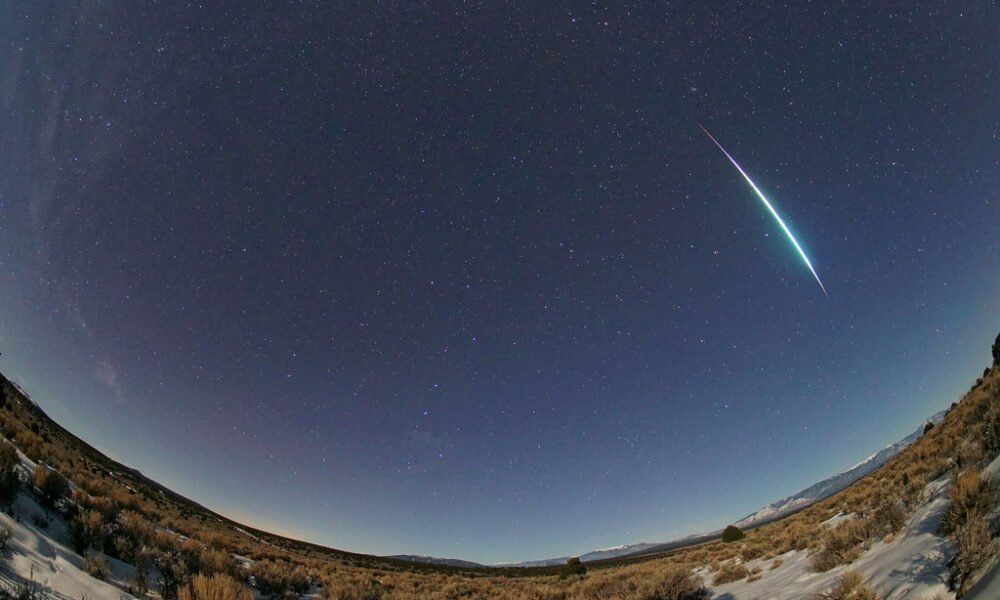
{"x": 729, "y": 572}
{"x": 850, "y": 587}
{"x": 214, "y": 587}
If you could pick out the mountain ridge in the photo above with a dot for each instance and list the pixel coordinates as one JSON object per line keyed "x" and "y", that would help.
{"x": 769, "y": 512}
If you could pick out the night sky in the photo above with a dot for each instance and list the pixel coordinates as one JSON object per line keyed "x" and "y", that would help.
{"x": 467, "y": 279}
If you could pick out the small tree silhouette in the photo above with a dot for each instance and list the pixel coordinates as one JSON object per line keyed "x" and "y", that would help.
{"x": 732, "y": 533}
{"x": 996, "y": 351}
{"x": 573, "y": 567}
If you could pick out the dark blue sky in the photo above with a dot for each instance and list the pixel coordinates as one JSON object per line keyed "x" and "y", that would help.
{"x": 467, "y": 279}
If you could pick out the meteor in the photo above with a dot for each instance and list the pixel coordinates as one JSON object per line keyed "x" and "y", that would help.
{"x": 774, "y": 213}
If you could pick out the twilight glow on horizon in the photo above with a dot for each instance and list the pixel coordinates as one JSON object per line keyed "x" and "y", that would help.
{"x": 468, "y": 280}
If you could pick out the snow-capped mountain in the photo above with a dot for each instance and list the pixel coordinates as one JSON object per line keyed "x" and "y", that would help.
{"x": 811, "y": 494}
{"x": 832, "y": 485}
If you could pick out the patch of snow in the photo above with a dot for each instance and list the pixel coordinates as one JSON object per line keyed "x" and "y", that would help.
{"x": 835, "y": 521}
{"x": 45, "y": 557}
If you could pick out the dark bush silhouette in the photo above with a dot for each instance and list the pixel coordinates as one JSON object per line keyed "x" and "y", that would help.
{"x": 52, "y": 486}
{"x": 996, "y": 351}
{"x": 732, "y": 533}
{"x": 573, "y": 566}
{"x": 87, "y": 530}
{"x": 9, "y": 480}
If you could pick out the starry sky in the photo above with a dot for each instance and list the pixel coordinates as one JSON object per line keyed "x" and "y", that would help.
{"x": 467, "y": 279}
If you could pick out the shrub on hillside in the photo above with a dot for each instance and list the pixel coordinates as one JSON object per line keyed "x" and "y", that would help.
{"x": 839, "y": 546}
{"x": 991, "y": 429}
{"x": 8, "y": 457}
{"x": 888, "y": 518}
{"x": 133, "y": 544}
{"x": 135, "y": 527}
{"x": 573, "y": 566}
{"x": 970, "y": 492}
{"x": 732, "y": 533}
{"x": 96, "y": 565}
{"x": 106, "y": 506}
{"x": 9, "y": 480}
{"x": 850, "y": 586}
{"x": 368, "y": 589}
{"x": 974, "y": 549}
{"x": 279, "y": 578}
{"x": 676, "y": 583}
{"x": 30, "y": 444}
{"x": 216, "y": 561}
{"x": 174, "y": 572}
{"x": 730, "y": 571}
{"x": 52, "y": 486}
{"x": 87, "y": 530}
{"x": 214, "y": 587}
{"x": 755, "y": 549}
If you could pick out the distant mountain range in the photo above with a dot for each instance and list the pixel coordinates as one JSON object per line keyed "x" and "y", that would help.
{"x": 593, "y": 555}
{"x": 769, "y": 512}
{"x": 451, "y": 562}
{"x": 832, "y": 485}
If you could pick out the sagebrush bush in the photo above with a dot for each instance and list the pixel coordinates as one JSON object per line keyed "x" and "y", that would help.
{"x": 277, "y": 577}
{"x": 29, "y": 443}
{"x": 729, "y": 572}
{"x": 96, "y": 565}
{"x": 991, "y": 429}
{"x": 9, "y": 481}
{"x": 840, "y": 545}
{"x": 850, "y": 586}
{"x": 87, "y": 530}
{"x": 8, "y": 457}
{"x": 975, "y": 546}
{"x": 676, "y": 583}
{"x": 888, "y": 518}
{"x": 216, "y": 561}
{"x": 52, "y": 486}
{"x": 214, "y": 587}
{"x": 970, "y": 492}
{"x": 358, "y": 590}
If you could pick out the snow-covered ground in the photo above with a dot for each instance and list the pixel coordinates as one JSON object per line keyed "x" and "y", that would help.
{"x": 46, "y": 557}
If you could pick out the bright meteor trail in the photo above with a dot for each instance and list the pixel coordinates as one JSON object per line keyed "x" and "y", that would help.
{"x": 764, "y": 199}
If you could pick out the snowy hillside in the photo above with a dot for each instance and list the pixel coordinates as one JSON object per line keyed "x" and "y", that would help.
{"x": 45, "y": 557}
{"x": 832, "y": 485}
{"x": 910, "y": 565}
